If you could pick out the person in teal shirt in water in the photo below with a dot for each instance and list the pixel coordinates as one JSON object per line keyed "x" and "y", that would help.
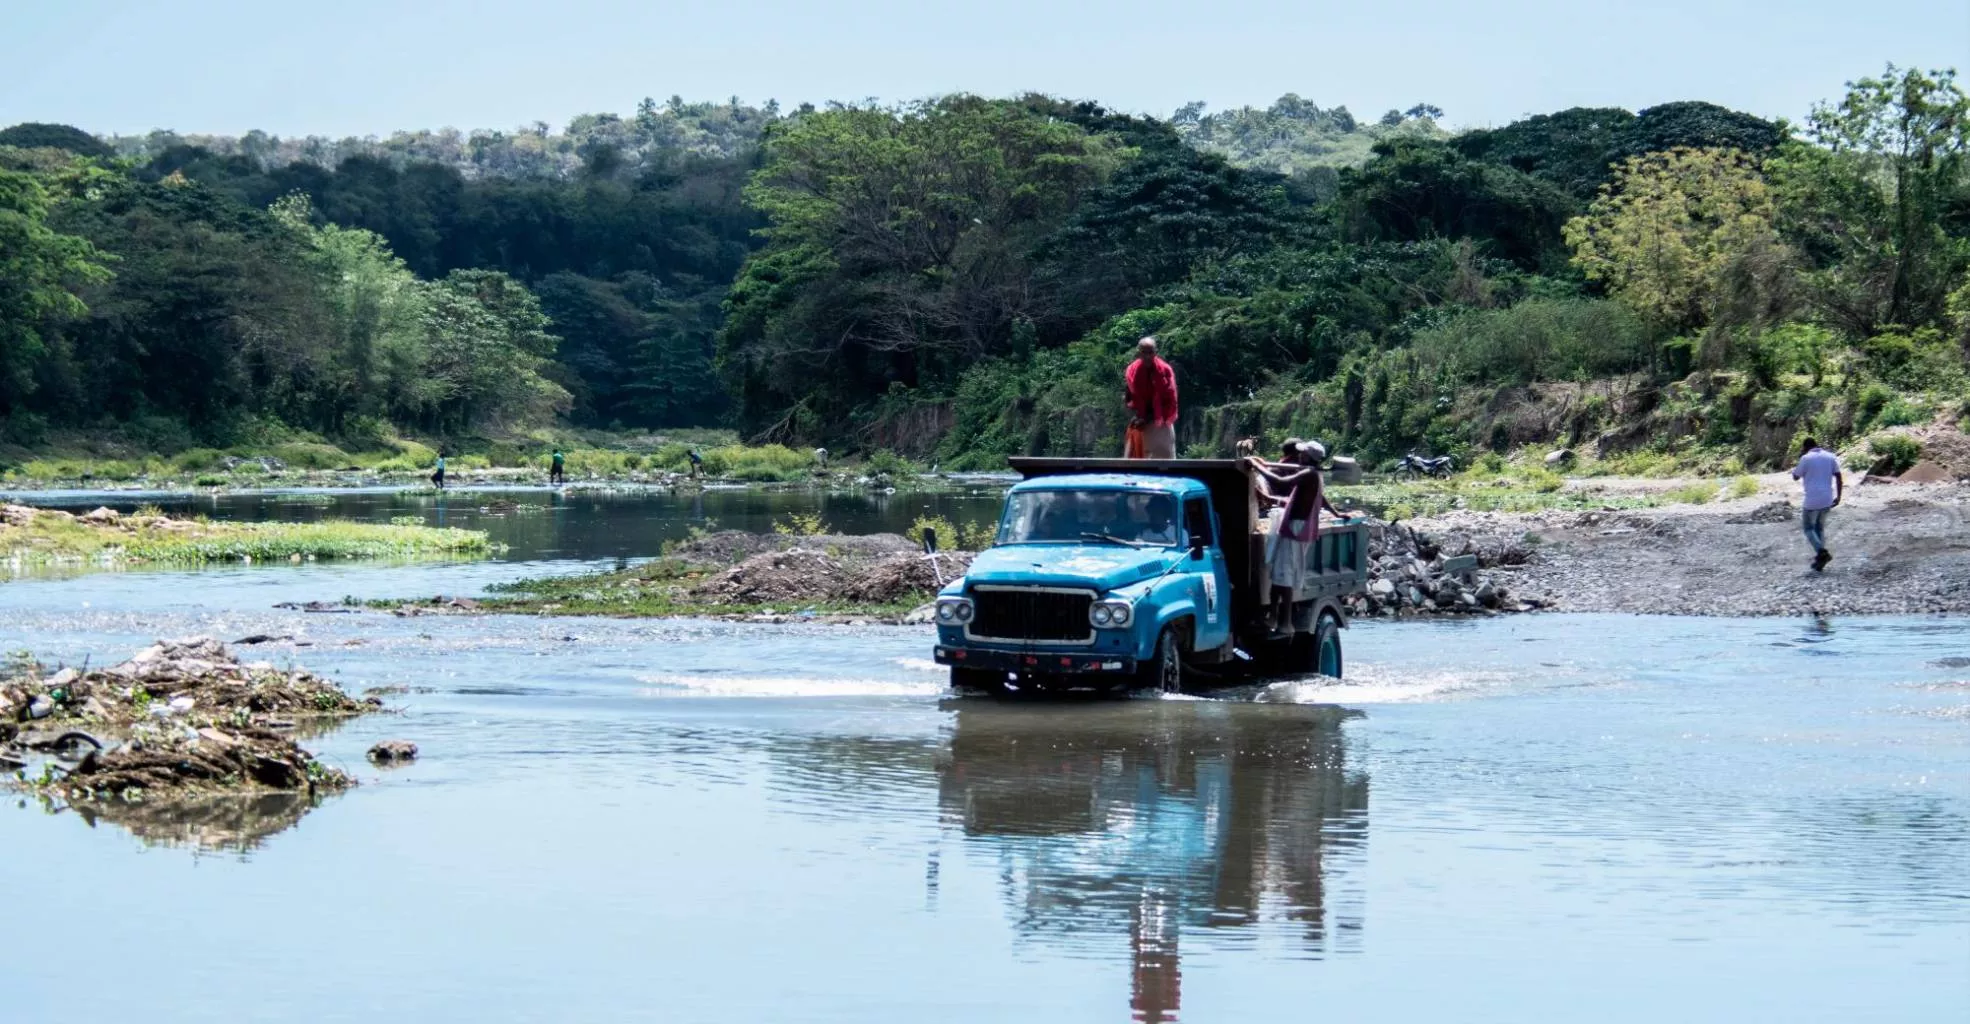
{"x": 438, "y": 478}
{"x": 557, "y": 471}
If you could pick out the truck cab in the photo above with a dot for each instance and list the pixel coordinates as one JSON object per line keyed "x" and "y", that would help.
{"x": 1113, "y": 574}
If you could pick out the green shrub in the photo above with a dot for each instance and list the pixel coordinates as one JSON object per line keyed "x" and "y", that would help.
{"x": 769, "y": 464}
{"x": 1899, "y": 451}
{"x": 888, "y": 462}
{"x": 199, "y": 459}
{"x": 312, "y": 456}
{"x": 1544, "y": 481}
{"x": 506, "y": 455}
{"x": 801, "y": 524}
{"x": 417, "y": 453}
{"x": 1744, "y": 487}
{"x": 952, "y": 536}
{"x": 1693, "y": 494}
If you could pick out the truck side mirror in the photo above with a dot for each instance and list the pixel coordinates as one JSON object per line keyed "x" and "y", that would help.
{"x": 929, "y": 541}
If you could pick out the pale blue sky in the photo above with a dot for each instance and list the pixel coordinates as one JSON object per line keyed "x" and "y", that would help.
{"x": 360, "y": 67}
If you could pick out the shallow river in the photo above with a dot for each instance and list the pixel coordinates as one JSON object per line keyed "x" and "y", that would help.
{"x": 1538, "y": 818}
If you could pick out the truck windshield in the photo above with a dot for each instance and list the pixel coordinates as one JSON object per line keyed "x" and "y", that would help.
{"x": 1147, "y": 518}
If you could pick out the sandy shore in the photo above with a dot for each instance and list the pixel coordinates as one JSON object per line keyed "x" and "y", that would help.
{"x": 1898, "y": 549}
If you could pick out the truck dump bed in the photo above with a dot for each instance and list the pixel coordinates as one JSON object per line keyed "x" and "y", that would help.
{"x": 1337, "y": 563}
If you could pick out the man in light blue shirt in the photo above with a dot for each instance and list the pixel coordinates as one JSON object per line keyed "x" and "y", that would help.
{"x": 1819, "y": 471}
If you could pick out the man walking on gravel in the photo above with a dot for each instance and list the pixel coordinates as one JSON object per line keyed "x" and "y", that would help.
{"x": 1149, "y": 388}
{"x": 1819, "y": 471}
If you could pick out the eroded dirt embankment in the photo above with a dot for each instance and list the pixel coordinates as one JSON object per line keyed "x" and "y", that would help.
{"x": 1898, "y": 549}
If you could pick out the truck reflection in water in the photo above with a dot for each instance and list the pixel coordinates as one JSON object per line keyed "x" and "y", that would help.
{"x": 1160, "y": 818}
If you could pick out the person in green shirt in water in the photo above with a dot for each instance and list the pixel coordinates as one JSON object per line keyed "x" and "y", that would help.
{"x": 557, "y": 472}
{"x": 438, "y": 477}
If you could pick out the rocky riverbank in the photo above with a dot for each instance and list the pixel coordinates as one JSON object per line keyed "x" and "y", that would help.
{"x": 1898, "y": 549}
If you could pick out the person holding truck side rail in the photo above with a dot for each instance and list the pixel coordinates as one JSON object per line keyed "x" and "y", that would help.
{"x": 1819, "y": 472}
{"x": 1295, "y": 526}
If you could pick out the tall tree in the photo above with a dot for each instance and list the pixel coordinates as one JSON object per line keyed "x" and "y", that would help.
{"x": 1871, "y": 201}
{"x": 40, "y": 269}
{"x": 897, "y": 242}
{"x": 1666, "y": 232}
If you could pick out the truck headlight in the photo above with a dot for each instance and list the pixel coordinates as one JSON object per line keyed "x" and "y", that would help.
{"x": 954, "y": 611}
{"x": 1111, "y": 614}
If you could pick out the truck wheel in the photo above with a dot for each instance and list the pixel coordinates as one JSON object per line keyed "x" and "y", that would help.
{"x": 983, "y": 680}
{"x": 1165, "y": 671}
{"x": 1327, "y": 647}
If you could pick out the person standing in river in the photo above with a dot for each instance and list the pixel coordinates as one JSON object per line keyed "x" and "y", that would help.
{"x": 1818, "y": 472}
{"x": 557, "y": 469}
{"x": 1149, "y": 389}
{"x": 438, "y": 476}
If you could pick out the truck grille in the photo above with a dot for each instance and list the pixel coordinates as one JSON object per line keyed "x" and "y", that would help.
{"x": 1024, "y": 613}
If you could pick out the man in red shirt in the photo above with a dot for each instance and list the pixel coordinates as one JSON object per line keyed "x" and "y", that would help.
{"x": 1150, "y": 391}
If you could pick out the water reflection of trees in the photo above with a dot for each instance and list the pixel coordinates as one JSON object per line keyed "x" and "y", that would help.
{"x": 1152, "y": 819}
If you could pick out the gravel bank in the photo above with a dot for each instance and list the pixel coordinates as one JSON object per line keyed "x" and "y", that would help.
{"x": 1898, "y": 549}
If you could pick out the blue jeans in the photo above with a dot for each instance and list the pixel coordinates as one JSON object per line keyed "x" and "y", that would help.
{"x": 1813, "y": 522}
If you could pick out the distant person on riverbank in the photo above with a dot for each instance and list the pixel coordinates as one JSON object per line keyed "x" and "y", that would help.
{"x": 821, "y": 457}
{"x": 1149, "y": 389}
{"x": 697, "y": 463}
{"x": 557, "y": 470}
{"x": 438, "y": 477}
{"x": 1819, "y": 472}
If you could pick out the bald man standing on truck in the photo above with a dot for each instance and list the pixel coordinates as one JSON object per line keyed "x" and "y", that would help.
{"x": 1149, "y": 388}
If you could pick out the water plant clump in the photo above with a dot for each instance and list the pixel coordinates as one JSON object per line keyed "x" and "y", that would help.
{"x": 32, "y": 538}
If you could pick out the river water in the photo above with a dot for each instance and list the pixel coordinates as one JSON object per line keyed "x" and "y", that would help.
{"x": 1537, "y": 818}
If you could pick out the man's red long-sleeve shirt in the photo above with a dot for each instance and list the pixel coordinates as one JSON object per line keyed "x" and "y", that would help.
{"x": 1152, "y": 392}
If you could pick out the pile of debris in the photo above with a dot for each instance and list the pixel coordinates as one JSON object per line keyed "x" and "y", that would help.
{"x": 180, "y": 716}
{"x": 900, "y": 577}
{"x": 774, "y": 578}
{"x": 1412, "y": 573}
{"x": 727, "y": 547}
{"x": 803, "y": 575}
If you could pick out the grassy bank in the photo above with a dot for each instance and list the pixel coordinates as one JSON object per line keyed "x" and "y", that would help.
{"x": 635, "y": 460}
{"x": 37, "y": 538}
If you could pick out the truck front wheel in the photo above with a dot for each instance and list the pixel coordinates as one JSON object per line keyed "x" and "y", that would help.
{"x": 1164, "y": 672}
{"x": 982, "y": 680}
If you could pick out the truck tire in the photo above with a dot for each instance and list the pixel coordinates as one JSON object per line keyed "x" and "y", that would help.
{"x": 1164, "y": 671}
{"x": 1327, "y": 647}
{"x": 982, "y": 680}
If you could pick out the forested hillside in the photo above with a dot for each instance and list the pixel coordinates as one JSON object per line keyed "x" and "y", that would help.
{"x": 961, "y": 278}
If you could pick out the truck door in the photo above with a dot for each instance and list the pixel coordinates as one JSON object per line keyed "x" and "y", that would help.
{"x": 1209, "y": 576}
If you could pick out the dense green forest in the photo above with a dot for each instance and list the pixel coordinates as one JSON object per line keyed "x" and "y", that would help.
{"x": 961, "y": 278}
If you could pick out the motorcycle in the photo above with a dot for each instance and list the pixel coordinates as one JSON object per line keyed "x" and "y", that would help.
{"x": 1415, "y": 464}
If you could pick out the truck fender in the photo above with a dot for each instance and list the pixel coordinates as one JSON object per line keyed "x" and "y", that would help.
{"x": 1174, "y": 612}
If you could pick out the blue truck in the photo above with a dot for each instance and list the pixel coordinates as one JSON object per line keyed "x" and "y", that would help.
{"x": 1126, "y": 574}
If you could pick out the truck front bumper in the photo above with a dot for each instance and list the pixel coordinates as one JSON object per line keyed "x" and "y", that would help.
{"x": 1078, "y": 663}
